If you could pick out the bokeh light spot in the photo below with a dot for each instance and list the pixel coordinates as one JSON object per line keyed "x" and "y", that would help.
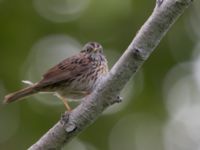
{"x": 60, "y": 10}
{"x": 136, "y": 132}
{"x": 183, "y": 130}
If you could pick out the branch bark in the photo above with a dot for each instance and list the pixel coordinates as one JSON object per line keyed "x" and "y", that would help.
{"x": 164, "y": 15}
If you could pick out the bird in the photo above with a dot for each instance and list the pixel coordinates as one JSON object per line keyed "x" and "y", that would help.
{"x": 75, "y": 77}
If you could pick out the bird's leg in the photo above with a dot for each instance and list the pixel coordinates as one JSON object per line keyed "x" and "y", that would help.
{"x": 65, "y": 102}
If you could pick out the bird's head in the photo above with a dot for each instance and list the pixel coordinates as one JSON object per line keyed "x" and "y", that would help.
{"x": 92, "y": 48}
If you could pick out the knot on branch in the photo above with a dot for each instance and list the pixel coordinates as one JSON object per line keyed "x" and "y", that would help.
{"x": 118, "y": 99}
{"x": 139, "y": 54}
{"x": 68, "y": 125}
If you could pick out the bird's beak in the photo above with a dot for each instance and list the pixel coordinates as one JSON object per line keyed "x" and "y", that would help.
{"x": 95, "y": 49}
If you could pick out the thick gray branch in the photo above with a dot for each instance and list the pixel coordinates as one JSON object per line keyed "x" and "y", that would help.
{"x": 164, "y": 15}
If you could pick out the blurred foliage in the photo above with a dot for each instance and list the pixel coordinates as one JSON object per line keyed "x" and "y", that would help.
{"x": 113, "y": 23}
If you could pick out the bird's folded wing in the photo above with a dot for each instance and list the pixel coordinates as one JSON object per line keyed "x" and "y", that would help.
{"x": 66, "y": 70}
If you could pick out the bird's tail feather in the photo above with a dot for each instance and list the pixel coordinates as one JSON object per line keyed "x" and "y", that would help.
{"x": 20, "y": 94}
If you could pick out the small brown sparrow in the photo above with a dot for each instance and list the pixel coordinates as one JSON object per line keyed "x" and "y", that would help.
{"x": 74, "y": 77}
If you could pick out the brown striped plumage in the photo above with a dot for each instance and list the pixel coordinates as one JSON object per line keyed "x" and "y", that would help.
{"x": 74, "y": 77}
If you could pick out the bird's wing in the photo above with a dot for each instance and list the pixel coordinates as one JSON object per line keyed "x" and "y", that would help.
{"x": 66, "y": 70}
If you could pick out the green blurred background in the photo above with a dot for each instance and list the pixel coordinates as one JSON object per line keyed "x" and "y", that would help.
{"x": 161, "y": 108}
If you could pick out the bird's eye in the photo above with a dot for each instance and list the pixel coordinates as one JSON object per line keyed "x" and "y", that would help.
{"x": 89, "y": 49}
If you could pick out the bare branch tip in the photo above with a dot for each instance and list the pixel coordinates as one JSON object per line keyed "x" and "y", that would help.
{"x": 159, "y": 2}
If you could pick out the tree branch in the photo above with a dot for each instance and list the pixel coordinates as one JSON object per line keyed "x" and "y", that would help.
{"x": 164, "y": 15}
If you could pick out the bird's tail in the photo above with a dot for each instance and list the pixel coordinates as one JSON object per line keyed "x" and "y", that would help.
{"x": 20, "y": 94}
